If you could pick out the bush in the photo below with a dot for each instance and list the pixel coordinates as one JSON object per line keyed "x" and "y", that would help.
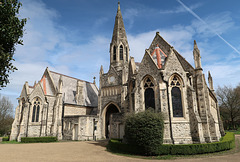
{"x": 144, "y": 130}
{"x": 38, "y": 139}
{"x": 5, "y": 139}
{"x": 228, "y": 142}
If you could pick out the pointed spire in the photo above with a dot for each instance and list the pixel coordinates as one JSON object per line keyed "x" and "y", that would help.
{"x": 119, "y": 32}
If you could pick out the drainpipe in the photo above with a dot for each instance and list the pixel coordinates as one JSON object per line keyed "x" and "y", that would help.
{"x": 28, "y": 117}
{"x": 62, "y": 116}
{"x": 46, "y": 117}
{"x": 41, "y": 121}
{"x": 169, "y": 113}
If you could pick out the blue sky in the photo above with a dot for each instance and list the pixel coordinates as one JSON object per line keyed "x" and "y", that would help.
{"x": 72, "y": 37}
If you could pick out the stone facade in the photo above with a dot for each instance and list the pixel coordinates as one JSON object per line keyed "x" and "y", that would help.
{"x": 72, "y": 109}
{"x": 163, "y": 80}
{"x": 56, "y": 106}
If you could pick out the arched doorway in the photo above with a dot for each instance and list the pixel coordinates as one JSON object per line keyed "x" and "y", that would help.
{"x": 111, "y": 109}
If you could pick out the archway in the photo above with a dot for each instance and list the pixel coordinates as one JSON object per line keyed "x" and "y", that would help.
{"x": 111, "y": 109}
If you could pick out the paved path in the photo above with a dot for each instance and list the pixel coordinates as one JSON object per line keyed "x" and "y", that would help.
{"x": 81, "y": 151}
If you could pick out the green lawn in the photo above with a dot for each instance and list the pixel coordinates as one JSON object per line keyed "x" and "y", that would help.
{"x": 9, "y": 142}
{"x": 234, "y": 131}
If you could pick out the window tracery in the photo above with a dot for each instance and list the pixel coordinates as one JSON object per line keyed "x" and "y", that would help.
{"x": 36, "y": 110}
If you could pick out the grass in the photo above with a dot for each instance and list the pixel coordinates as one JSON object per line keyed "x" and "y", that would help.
{"x": 10, "y": 142}
{"x": 234, "y": 131}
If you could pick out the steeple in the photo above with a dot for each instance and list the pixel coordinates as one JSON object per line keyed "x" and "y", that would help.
{"x": 119, "y": 49}
{"x": 197, "y": 56}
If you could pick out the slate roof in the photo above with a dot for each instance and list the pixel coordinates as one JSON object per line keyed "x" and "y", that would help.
{"x": 90, "y": 90}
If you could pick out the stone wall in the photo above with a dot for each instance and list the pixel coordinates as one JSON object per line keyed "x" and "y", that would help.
{"x": 76, "y": 110}
{"x": 116, "y": 126}
{"x": 79, "y": 128}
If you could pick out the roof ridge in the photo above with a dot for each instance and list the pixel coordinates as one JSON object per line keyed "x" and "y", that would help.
{"x": 71, "y": 77}
{"x": 183, "y": 58}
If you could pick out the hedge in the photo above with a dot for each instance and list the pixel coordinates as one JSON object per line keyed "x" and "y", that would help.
{"x": 227, "y": 143}
{"x": 144, "y": 130}
{"x": 38, "y": 139}
{"x": 5, "y": 139}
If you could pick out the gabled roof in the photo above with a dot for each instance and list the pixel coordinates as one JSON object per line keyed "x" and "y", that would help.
{"x": 165, "y": 47}
{"x": 90, "y": 91}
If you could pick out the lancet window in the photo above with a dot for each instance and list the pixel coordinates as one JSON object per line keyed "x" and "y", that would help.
{"x": 176, "y": 93}
{"x": 121, "y": 52}
{"x": 114, "y": 52}
{"x": 36, "y": 110}
{"x": 149, "y": 93}
{"x": 126, "y": 54}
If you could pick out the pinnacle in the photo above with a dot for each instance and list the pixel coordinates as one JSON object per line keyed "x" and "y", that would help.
{"x": 195, "y": 44}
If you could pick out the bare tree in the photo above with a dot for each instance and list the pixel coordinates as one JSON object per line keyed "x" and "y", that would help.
{"x": 229, "y": 104}
{"x": 6, "y": 115}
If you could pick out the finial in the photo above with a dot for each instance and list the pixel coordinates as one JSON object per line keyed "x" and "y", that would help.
{"x": 118, "y": 5}
{"x": 195, "y": 44}
{"x": 94, "y": 82}
{"x": 157, "y": 32}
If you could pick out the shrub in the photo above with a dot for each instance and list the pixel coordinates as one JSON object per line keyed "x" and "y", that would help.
{"x": 228, "y": 142}
{"x": 38, "y": 139}
{"x": 5, "y": 138}
{"x": 144, "y": 130}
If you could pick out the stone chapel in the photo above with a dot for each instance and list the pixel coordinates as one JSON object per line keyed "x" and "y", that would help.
{"x": 73, "y": 109}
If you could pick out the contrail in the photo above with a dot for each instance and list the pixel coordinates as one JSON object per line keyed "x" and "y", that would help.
{"x": 200, "y": 19}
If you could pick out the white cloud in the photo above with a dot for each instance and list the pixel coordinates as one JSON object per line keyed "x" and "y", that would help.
{"x": 45, "y": 45}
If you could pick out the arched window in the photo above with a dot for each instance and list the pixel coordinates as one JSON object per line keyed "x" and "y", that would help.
{"x": 114, "y": 52}
{"x": 176, "y": 96}
{"x": 121, "y": 52}
{"x": 149, "y": 93}
{"x": 36, "y": 109}
{"x": 126, "y": 54}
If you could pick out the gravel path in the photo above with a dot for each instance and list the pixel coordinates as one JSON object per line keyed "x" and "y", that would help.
{"x": 81, "y": 151}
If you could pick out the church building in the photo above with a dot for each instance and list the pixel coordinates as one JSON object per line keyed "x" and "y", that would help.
{"x": 73, "y": 109}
